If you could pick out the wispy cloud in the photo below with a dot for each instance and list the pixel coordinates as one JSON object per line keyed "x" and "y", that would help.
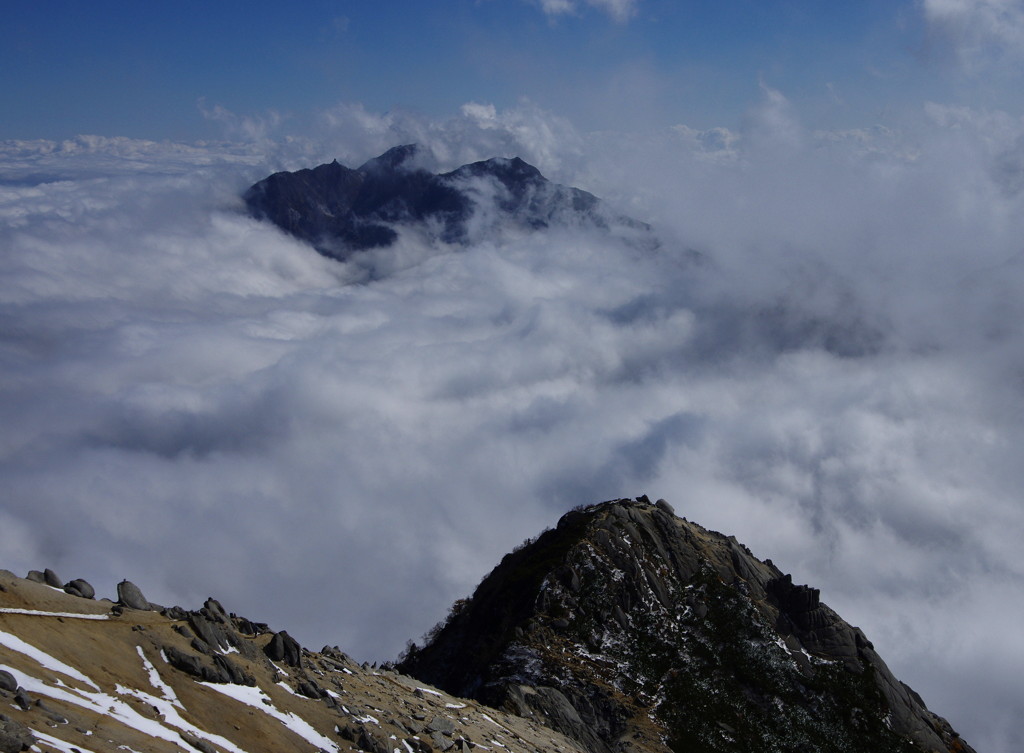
{"x": 981, "y": 32}
{"x": 619, "y": 10}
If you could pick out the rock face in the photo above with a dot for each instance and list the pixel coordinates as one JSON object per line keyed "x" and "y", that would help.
{"x": 627, "y": 628}
{"x": 340, "y": 210}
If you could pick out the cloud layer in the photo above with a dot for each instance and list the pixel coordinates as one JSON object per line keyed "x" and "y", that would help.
{"x": 822, "y": 357}
{"x": 980, "y": 31}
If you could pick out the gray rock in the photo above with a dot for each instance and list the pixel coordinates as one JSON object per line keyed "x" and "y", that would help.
{"x": 209, "y": 630}
{"x": 49, "y": 713}
{"x": 23, "y": 699}
{"x": 440, "y": 741}
{"x": 441, "y": 724}
{"x": 201, "y": 745}
{"x": 129, "y": 595}
{"x": 371, "y": 742}
{"x": 282, "y": 647}
{"x": 80, "y": 588}
{"x": 665, "y": 507}
{"x": 175, "y": 613}
{"x": 51, "y": 578}
{"x": 212, "y": 610}
{"x": 419, "y": 745}
{"x": 7, "y": 681}
{"x": 14, "y": 737}
{"x": 235, "y": 674}
{"x": 35, "y": 576}
{"x": 190, "y": 664}
{"x": 310, "y": 689}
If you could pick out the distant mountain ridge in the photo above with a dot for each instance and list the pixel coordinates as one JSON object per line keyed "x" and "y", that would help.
{"x": 624, "y": 630}
{"x": 341, "y": 210}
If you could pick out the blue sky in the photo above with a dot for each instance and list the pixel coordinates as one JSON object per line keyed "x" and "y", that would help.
{"x": 146, "y": 70}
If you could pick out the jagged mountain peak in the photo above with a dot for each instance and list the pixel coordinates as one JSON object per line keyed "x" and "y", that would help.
{"x": 628, "y": 628}
{"x": 342, "y": 211}
{"x": 397, "y": 157}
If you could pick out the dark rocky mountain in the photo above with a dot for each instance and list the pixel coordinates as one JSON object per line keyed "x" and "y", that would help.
{"x": 627, "y": 628}
{"x": 340, "y": 210}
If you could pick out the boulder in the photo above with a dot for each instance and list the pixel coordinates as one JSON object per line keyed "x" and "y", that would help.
{"x": 222, "y": 671}
{"x": 7, "y": 681}
{"x": 129, "y": 595}
{"x": 80, "y": 588}
{"x": 211, "y": 631}
{"x": 310, "y": 689}
{"x": 282, "y": 647}
{"x": 370, "y": 741}
{"x": 212, "y": 610}
{"x": 23, "y": 699}
{"x": 175, "y": 613}
{"x": 51, "y": 578}
{"x": 14, "y": 737}
{"x": 441, "y": 724}
{"x": 36, "y": 576}
{"x": 441, "y": 742}
{"x": 198, "y": 743}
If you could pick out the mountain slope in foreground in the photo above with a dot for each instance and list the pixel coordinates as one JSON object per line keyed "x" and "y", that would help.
{"x": 628, "y": 628}
{"x": 625, "y": 629}
{"x": 85, "y": 676}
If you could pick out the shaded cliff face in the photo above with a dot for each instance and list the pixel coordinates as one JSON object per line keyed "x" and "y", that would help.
{"x": 340, "y": 210}
{"x": 629, "y": 628}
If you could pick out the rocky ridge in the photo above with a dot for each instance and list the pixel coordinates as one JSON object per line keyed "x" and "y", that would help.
{"x": 79, "y": 675}
{"x": 628, "y": 628}
{"x": 624, "y": 630}
{"x": 342, "y": 211}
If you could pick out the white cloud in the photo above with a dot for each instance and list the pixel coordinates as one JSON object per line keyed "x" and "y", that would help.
{"x": 822, "y": 358}
{"x": 980, "y": 31}
{"x": 619, "y": 10}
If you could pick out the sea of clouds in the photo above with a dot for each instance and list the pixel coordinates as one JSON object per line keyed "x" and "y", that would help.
{"x": 822, "y": 354}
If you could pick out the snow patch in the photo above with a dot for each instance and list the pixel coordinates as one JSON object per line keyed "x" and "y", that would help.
{"x": 112, "y": 707}
{"x": 71, "y": 615}
{"x": 257, "y": 699}
{"x": 56, "y": 743}
{"x": 14, "y": 643}
{"x": 157, "y": 681}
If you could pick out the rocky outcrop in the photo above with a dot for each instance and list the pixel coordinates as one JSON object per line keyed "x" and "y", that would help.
{"x": 341, "y": 211}
{"x": 106, "y": 678}
{"x": 129, "y": 595}
{"x": 283, "y": 648}
{"x": 629, "y": 628}
{"x": 80, "y": 588}
{"x": 14, "y": 737}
